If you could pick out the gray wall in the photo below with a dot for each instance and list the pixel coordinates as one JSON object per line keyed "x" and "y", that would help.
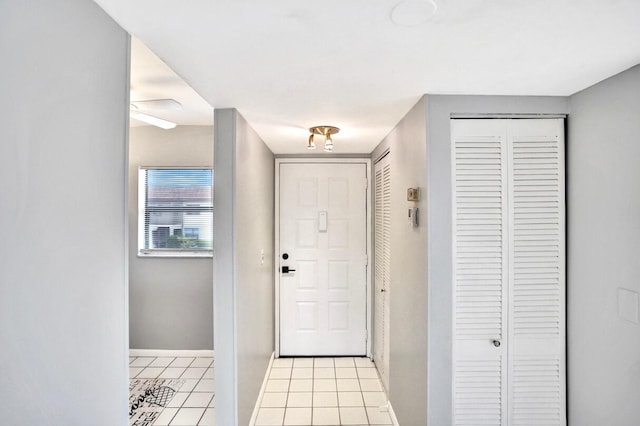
{"x": 63, "y": 292}
{"x": 254, "y": 280}
{"x": 408, "y": 290}
{"x": 604, "y": 251}
{"x": 439, "y": 110}
{"x": 243, "y": 286}
{"x": 170, "y": 299}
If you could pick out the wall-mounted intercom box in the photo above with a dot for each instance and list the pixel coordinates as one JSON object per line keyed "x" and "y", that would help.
{"x": 413, "y": 194}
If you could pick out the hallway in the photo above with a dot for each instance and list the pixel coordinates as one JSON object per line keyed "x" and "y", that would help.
{"x": 323, "y": 391}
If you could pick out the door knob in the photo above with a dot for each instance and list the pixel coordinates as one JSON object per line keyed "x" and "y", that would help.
{"x": 496, "y": 343}
{"x": 286, "y": 270}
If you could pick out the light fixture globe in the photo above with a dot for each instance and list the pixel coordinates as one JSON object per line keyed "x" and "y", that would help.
{"x": 311, "y": 144}
{"x": 325, "y": 131}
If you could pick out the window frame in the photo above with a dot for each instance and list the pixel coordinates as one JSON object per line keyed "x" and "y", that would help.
{"x": 143, "y": 211}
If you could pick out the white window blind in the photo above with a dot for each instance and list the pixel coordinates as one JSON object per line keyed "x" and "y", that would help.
{"x": 175, "y": 211}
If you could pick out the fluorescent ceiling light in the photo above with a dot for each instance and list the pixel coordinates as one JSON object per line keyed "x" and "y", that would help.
{"x": 158, "y": 105}
{"x": 150, "y": 119}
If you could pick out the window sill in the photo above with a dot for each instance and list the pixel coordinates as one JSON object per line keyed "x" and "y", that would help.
{"x": 177, "y": 254}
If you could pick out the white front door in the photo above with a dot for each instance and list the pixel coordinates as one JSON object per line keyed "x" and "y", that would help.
{"x": 323, "y": 259}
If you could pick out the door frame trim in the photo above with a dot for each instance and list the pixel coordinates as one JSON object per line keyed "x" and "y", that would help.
{"x": 276, "y": 252}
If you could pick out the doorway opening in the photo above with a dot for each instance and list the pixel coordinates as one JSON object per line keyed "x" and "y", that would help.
{"x": 171, "y": 359}
{"x": 323, "y": 224}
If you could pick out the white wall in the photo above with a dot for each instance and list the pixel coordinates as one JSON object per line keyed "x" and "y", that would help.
{"x": 254, "y": 280}
{"x": 243, "y": 287}
{"x": 408, "y": 289}
{"x": 604, "y": 251}
{"x": 63, "y": 293}
{"x": 170, "y": 299}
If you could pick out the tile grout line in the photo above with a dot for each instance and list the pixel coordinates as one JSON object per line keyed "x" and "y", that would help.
{"x": 313, "y": 387}
{"x": 335, "y": 373}
{"x": 366, "y": 414}
{"x": 189, "y": 393}
{"x": 286, "y": 404}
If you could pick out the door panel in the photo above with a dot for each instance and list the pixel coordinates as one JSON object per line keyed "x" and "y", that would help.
{"x": 323, "y": 227}
{"x": 537, "y": 280}
{"x": 480, "y": 272}
{"x": 382, "y": 254}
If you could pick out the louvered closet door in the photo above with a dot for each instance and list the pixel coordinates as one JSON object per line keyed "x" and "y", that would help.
{"x": 537, "y": 275}
{"x": 509, "y": 272}
{"x": 382, "y": 267}
{"x": 480, "y": 271}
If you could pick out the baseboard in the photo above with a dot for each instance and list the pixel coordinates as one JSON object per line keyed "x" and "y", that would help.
{"x": 392, "y": 414}
{"x": 256, "y": 408}
{"x": 204, "y": 353}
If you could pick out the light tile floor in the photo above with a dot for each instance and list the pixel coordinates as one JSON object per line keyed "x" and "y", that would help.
{"x": 323, "y": 391}
{"x": 194, "y": 403}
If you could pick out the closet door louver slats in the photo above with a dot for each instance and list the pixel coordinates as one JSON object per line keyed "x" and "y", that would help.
{"x": 479, "y": 179}
{"x": 478, "y": 392}
{"x": 382, "y": 266}
{"x": 537, "y": 280}
{"x": 537, "y": 391}
{"x": 509, "y": 274}
{"x": 537, "y": 284}
{"x": 479, "y": 245}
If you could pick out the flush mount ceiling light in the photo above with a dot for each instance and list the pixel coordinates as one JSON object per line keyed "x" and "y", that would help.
{"x": 326, "y": 132}
{"x": 150, "y": 119}
{"x": 158, "y": 105}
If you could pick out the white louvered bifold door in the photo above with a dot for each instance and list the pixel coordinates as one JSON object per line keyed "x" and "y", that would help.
{"x": 480, "y": 271}
{"x": 537, "y": 273}
{"x": 382, "y": 267}
{"x": 509, "y": 288}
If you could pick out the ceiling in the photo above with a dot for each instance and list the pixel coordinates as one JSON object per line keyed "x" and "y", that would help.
{"x": 287, "y": 65}
{"x": 153, "y": 79}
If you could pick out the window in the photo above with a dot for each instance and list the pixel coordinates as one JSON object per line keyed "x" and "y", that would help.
{"x": 192, "y": 232}
{"x": 175, "y": 212}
